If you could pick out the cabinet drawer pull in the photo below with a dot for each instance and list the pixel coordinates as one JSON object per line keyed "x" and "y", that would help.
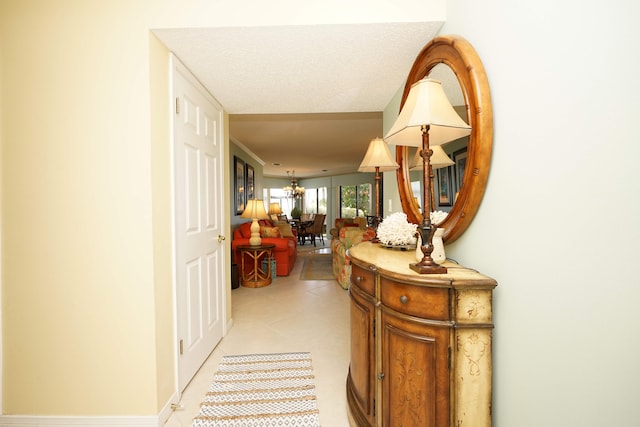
{"x": 404, "y": 299}
{"x": 381, "y": 376}
{"x": 359, "y": 279}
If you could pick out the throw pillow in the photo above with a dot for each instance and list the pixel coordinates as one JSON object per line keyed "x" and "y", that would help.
{"x": 285, "y": 230}
{"x": 269, "y": 232}
{"x": 360, "y": 221}
{"x": 245, "y": 229}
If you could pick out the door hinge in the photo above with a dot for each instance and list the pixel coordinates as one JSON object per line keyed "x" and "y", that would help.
{"x": 181, "y": 344}
{"x": 177, "y": 105}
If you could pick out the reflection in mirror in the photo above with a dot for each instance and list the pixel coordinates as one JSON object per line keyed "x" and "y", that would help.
{"x": 458, "y": 188}
{"x": 448, "y": 173}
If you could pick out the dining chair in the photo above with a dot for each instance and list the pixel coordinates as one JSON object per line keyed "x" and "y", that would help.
{"x": 314, "y": 230}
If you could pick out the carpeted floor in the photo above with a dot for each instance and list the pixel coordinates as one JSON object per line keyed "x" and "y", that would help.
{"x": 317, "y": 266}
{"x": 261, "y": 390}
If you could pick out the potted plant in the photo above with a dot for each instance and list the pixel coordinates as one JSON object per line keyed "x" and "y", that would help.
{"x": 296, "y": 212}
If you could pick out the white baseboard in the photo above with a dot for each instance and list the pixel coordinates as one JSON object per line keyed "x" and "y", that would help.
{"x": 60, "y": 421}
{"x": 104, "y": 421}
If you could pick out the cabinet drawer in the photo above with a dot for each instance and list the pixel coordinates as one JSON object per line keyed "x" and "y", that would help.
{"x": 419, "y": 301}
{"x": 363, "y": 279}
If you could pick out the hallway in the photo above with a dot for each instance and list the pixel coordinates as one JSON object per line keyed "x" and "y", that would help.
{"x": 289, "y": 315}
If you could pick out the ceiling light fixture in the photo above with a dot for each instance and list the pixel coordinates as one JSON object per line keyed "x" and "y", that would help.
{"x": 294, "y": 190}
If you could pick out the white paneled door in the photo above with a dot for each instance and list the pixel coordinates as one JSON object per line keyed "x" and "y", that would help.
{"x": 200, "y": 247}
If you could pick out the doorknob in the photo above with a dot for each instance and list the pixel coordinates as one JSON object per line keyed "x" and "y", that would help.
{"x": 221, "y": 238}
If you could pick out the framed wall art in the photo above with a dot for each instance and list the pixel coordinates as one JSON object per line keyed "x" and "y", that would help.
{"x": 460, "y": 159}
{"x": 445, "y": 189}
{"x": 251, "y": 193}
{"x": 239, "y": 184}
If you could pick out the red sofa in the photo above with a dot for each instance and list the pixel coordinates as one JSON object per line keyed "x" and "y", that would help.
{"x": 286, "y": 249}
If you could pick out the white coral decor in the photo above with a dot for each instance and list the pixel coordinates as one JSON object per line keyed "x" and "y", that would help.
{"x": 438, "y": 216}
{"x": 396, "y": 230}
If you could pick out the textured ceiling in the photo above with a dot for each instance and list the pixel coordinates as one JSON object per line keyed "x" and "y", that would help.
{"x": 273, "y": 80}
{"x": 309, "y": 144}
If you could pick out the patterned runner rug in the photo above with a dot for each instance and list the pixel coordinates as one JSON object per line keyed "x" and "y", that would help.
{"x": 261, "y": 390}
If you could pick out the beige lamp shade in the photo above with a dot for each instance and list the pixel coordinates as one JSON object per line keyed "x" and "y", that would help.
{"x": 274, "y": 208}
{"x": 427, "y": 104}
{"x": 439, "y": 159}
{"x": 255, "y": 210}
{"x": 378, "y": 155}
{"x": 378, "y": 159}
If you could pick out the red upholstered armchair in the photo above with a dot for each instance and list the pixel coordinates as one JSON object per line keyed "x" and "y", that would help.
{"x": 279, "y": 234}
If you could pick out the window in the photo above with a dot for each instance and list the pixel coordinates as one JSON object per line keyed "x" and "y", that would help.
{"x": 315, "y": 200}
{"x": 355, "y": 200}
{"x": 277, "y": 195}
{"x": 416, "y": 189}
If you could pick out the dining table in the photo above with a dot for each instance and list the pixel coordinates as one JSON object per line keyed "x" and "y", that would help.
{"x": 299, "y": 226}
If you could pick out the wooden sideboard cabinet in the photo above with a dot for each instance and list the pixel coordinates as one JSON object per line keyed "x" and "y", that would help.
{"x": 420, "y": 344}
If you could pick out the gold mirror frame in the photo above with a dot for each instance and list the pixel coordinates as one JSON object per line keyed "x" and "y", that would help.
{"x": 463, "y": 60}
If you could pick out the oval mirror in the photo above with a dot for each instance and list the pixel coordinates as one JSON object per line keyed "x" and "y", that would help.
{"x": 467, "y": 178}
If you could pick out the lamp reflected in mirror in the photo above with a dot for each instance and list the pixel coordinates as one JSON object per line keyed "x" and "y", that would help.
{"x": 274, "y": 210}
{"x": 427, "y": 118}
{"x": 439, "y": 160}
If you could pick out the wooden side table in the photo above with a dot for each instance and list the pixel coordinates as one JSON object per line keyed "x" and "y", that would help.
{"x": 252, "y": 273}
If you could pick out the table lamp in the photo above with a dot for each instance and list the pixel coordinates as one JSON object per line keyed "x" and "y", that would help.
{"x": 274, "y": 210}
{"x": 255, "y": 210}
{"x": 378, "y": 159}
{"x": 427, "y": 118}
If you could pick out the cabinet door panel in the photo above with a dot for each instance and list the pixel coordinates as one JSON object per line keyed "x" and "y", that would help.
{"x": 416, "y": 373}
{"x": 361, "y": 369}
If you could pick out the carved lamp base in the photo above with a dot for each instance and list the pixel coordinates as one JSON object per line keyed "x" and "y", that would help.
{"x": 427, "y": 265}
{"x": 423, "y": 267}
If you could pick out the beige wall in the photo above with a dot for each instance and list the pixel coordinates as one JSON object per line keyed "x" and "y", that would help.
{"x": 87, "y": 322}
{"x": 78, "y": 284}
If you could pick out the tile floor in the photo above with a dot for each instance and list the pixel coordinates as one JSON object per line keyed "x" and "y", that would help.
{"x": 288, "y": 315}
